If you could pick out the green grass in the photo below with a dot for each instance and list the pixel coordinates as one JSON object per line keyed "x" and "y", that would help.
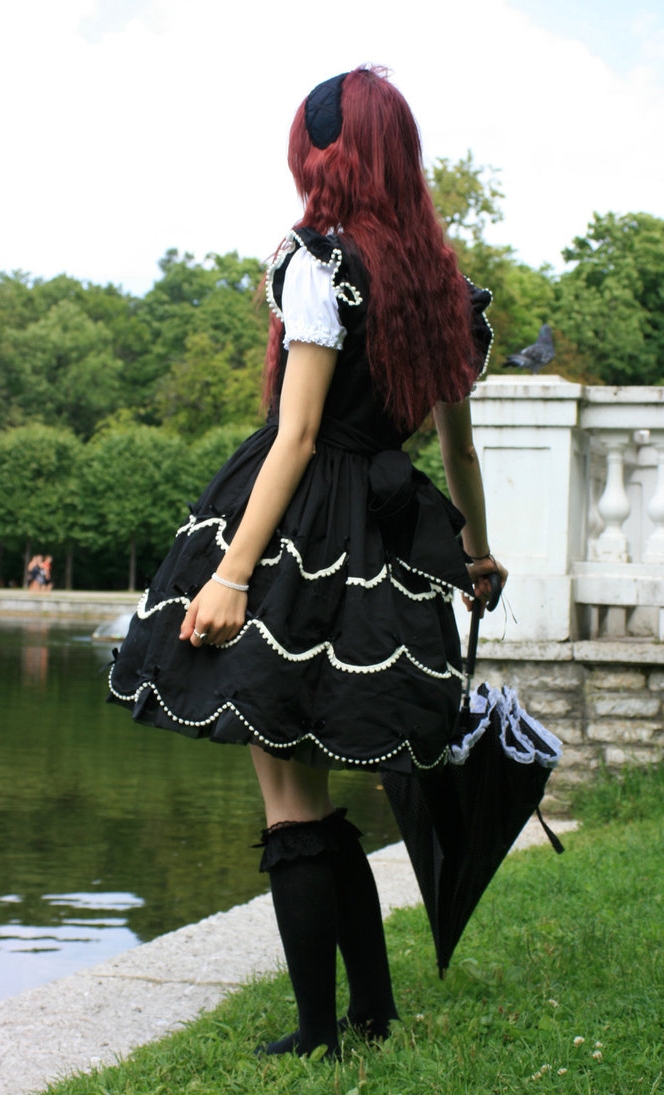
{"x": 630, "y": 795}
{"x": 557, "y": 985}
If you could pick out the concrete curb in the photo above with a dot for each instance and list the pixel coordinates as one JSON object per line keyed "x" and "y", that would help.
{"x": 100, "y": 1014}
{"x": 63, "y": 605}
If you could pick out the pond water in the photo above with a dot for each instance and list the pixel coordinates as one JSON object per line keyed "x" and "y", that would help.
{"x": 111, "y": 833}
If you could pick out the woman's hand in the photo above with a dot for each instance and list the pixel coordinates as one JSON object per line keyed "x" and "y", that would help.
{"x": 478, "y": 573}
{"x": 214, "y": 616}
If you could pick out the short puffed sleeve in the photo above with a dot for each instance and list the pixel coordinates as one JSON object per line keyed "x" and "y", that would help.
{"x": 309, "y": 303}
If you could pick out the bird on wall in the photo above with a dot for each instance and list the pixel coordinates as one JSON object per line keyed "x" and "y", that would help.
{"x": 538, "y": 355}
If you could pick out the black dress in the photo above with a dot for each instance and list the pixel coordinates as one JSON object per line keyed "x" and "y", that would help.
{"x": 349, "y": 656}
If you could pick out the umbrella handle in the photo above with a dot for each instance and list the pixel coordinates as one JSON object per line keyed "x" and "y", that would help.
{"x": 475, "y": 617}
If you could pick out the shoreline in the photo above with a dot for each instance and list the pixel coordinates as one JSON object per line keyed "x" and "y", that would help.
{"x": 73, "y": 604}
{"x": 102, "y": 1013}
{"x": 98, "y": 1014}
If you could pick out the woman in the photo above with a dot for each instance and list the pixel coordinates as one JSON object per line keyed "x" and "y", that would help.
{"x": 325, "y": 636}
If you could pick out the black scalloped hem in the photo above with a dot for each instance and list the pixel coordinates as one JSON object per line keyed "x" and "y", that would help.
{"x": 232, "y": 729}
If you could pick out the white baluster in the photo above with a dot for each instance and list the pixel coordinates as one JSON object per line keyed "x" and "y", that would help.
{"x": 654, "y": 547}
{"x": 595, "y": 523}
{"x": 614, "y": 505}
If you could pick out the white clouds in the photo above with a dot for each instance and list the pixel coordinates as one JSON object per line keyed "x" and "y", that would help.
{"x": 137, "y": 125}
{"x": 109, "y": 16}
{"x": 570, "y": 135}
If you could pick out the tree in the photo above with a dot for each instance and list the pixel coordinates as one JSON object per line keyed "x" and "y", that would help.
{"x": 212, "y": 450}
{"x": 60, "y": 369}
{"x": 135, "y": 483}
{"x": 204, "y": 389}
{"x": 426, "y": 456}
{"x": 216, "y": 298}
{"x": 39, "y": 489}
{"x": 611, "y": 304}
{"x": 17, "y": 303}
{"x": 467, "y": 199}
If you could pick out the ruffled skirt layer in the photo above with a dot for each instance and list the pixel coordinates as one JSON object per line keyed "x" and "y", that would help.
{"x": 349, "y": 655}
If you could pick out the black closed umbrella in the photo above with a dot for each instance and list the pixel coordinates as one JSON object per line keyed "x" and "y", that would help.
{"x": 459, "y": 821}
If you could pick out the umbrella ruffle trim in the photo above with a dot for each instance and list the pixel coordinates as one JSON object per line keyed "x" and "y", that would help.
{"x": 503, "y": 702}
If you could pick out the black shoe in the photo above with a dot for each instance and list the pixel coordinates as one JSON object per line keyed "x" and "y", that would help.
{"x": 370, "y": 1030}
{"x": 291, "y": 1044}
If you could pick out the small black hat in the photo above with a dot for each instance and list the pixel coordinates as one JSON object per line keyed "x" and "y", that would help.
{"x": 322, "y": 111}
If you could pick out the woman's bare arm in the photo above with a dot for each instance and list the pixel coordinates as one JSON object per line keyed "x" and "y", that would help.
{"x": 464, "y": 480}
{"x": 219, "y": 612}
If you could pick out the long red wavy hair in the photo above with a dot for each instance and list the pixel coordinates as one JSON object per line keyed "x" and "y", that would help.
{"x": 371, "y": 183}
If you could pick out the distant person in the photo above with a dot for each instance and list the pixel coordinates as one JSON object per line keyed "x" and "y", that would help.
{"x": 46, "y": 574}
{"x": 34, "y": 573}
{"x": 306, "y": 606}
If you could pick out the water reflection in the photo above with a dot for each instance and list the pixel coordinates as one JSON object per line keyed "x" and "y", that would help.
{"x": 32, "y": 954}
{"x": 34, "y": 654}
{"x": 111, "y": 834}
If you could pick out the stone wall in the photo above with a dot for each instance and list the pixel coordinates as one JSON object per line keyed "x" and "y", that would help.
{"x": 604, "y": 700}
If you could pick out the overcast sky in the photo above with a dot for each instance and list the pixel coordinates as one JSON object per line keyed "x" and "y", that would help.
{"x": 132, "y": 126}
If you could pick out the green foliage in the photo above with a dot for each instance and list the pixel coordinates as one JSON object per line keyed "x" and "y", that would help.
{"x": 631, "y": 794}
{"x": 212, "y": 450}
{"x": 205, "y": 389}
{"x": 17, "y": 300}
{"x": 76, "y": 354}
{"x": 467, "y": 199}
{"x": 135, "y": 483}
{"x": 59, "y": 370}
{"x": 107, "y": 366}
{"x": 607, "y": 312}
{"x": 39, "y": 474}
{"x": 63, "y": 352}
{"x": 523, "y": 298}
{"x": 425, "y": 455}
{"x": 93, "y": 361}
{"x": 547, "y": 991}
{"x": 611, "y": 304}
{"x": 205, "y": 317}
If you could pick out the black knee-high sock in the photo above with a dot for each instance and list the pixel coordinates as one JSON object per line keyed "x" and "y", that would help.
{"x": 303, "y": 892}
{"x": 360, "y": 935}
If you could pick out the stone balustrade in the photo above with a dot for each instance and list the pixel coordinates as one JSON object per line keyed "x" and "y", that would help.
{"x": 574, "y": 478}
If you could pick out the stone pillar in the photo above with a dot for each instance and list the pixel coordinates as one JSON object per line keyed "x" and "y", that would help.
{"x": 533, "y": 461}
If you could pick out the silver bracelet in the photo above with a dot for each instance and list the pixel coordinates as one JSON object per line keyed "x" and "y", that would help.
{"x": 229, "y": 585}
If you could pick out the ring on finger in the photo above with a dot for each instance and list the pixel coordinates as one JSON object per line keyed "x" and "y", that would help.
{"x": 200, "y": 635}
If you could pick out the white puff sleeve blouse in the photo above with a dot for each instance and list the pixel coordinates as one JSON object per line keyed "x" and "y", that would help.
{"x": 309, "y": 304}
